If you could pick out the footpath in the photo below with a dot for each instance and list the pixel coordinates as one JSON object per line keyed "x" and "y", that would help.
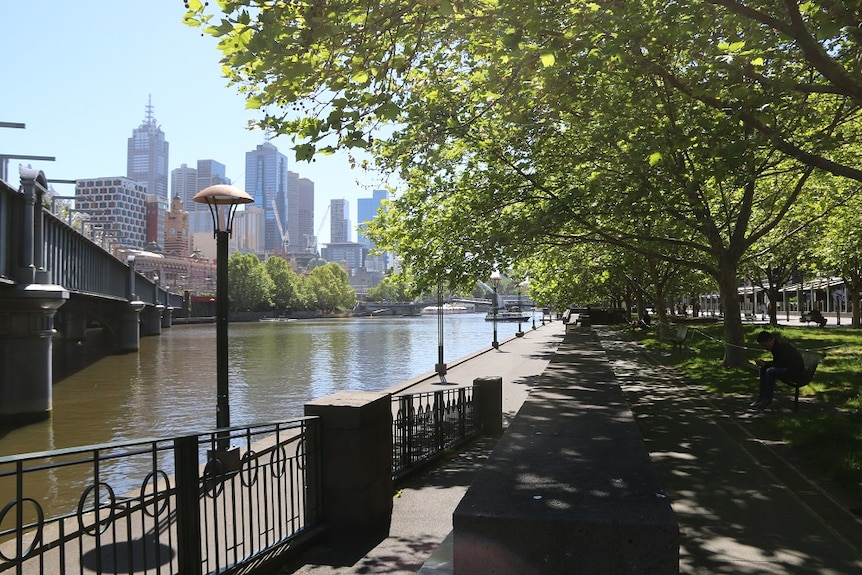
{"x": 742, "y": 503}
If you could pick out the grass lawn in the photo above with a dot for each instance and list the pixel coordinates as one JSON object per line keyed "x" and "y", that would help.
{"x": 828, "y": 435}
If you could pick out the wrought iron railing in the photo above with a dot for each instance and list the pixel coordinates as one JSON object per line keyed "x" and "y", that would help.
{"x": 181, "y": 516}
{"x": 427, "y": 423}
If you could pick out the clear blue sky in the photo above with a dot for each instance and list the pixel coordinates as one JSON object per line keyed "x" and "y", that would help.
{"x": 79, "y": 73}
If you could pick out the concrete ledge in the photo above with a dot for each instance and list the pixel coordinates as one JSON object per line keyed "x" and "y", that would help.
{"x": 570, "y": 487}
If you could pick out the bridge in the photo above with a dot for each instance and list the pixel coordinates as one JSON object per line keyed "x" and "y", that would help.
{"x": 55, "y": 286}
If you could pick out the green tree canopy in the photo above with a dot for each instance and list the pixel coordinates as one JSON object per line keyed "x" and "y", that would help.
{"x": 250, "y": 286}
{"x": 683, "y": 132}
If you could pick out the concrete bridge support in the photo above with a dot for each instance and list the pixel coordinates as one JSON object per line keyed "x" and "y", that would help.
{"x": 151, "y": 320}
{"x": 167, "y": 317}
{"x": 26, "y": 331}
{"x": 128, "y": 326}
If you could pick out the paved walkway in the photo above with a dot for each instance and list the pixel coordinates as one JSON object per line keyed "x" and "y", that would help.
{"x": 422, "y": 510}
{"x": 741, "y": 502}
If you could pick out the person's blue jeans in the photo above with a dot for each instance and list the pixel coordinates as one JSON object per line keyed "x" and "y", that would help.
{"x": 768, "y": 375}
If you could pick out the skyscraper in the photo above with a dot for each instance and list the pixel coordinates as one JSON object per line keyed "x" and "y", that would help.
{"x": 300, "y": 212}
{"x": 184, "y": 184}
{"x": 305, "y": 214}
{"x": 266, "y": 181}
{"x": 366, "y": 209}
{"x": 210, "y": 173}
{"x": 339, "y": 221}
{"x": 147, "y": 161}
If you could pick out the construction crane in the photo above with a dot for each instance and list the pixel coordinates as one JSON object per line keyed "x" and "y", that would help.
{"x": 284, "y": 234}
{"x": 311, "y": 241}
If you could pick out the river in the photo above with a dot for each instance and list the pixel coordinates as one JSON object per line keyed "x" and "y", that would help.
{"x": 169, "y": 386}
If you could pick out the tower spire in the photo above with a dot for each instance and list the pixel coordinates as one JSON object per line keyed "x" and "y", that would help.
{"x": 150, "y": 118}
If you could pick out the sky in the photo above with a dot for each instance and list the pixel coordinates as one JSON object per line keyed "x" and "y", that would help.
{"x": 79, "y": 74}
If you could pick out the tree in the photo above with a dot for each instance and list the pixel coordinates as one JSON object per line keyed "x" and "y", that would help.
{"x": 682, "y": 132}
{"x": 842, "y": 251}
{"x": 331, "y": 288}
{"x": 392, "y": 288}
{"x": 284, "y": 293}
{"x": 251, "y": 287}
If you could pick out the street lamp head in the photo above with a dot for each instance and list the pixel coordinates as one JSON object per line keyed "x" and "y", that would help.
{"x": 222, "y": 200}
{"x": 495, "y": 276}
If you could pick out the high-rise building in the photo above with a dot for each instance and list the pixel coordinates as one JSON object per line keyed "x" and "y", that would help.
{"x": 147, "y": 161}
{"x": 210, "y": 173}
{"x": 266, "y": 180}
{"x": 117, "y": 205}
{"x": 366, "y": 209}
{"x": 300, "y": 212}
{"x": 187, "y": 181}
{"x": 305, "y": 214}
{"x": 339, "y": 221}
{"x": 184, "y": 184}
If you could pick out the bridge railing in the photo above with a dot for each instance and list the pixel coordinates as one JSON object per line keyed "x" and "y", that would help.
{"x": 66, "y": 257}
{"x": 152, "y": 506}
{"x": 11, "y": 213}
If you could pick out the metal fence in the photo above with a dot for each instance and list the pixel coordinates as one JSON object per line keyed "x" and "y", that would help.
{"x": 427, "y": 423}
{"x": 152, "y": 506}
{"x": 182, "y": 516}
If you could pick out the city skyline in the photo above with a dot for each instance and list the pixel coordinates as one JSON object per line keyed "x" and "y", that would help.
{"x": 90, "y": 73}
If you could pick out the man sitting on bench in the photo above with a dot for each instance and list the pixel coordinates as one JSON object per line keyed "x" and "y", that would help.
{"x": 786, "y": 363}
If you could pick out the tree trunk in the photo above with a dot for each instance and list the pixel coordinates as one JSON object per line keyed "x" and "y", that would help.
{"x": 734, "y": 338}
{"x": 852, "y": 286}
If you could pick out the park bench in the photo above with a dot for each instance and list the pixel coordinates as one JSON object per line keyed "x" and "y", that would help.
{"x": 810, "y": 360}
{"x": 813, "y": 315}
{"x": 678, "y": 339}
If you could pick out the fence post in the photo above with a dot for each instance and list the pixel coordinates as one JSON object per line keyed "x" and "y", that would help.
{"x": 462, "y": 412}
{"x": 405, "y": 428}
{"x": 489, "y": 404}
{"x": 439, "y": 415}
{"x": 188, "y": 505}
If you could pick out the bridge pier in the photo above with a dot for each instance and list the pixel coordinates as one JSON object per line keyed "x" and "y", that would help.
{"x": 151, "y": 320}
{"x": 26, "y": 332}
{"x": 73, "y": 325}
{"x": 167, "y": 317}
{"x": 129, "y": 326}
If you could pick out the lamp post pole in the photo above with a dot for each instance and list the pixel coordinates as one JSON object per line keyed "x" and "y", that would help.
{"x": 526, "y": 284}
{"x": 495, "y": 279}
{"x": 222, "y": 201}
{"x": 520, "y": 312}
{"x": 440, "y": 368}
{"x": 222, "y": 394}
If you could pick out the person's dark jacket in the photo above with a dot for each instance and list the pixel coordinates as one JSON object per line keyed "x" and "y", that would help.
{"x": 785, "y": 355}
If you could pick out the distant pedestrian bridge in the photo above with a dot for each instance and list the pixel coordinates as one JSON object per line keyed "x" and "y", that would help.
{"x": 56, "y": 284}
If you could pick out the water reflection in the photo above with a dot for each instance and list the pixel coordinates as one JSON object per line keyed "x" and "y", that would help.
{"x": 168, "y": 387}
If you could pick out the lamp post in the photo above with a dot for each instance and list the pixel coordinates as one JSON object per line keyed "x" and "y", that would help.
{"x": 526, "y": 284}
{"x": 440, "y": 368}
{"x": 520, "y": 310}
{"x": 495, "y": 279}
{"x": 222, "y": 201}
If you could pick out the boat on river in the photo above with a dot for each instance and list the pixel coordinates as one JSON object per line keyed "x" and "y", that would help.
{"x": 512, "y": 314}
{"x": 448, "y": 308}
